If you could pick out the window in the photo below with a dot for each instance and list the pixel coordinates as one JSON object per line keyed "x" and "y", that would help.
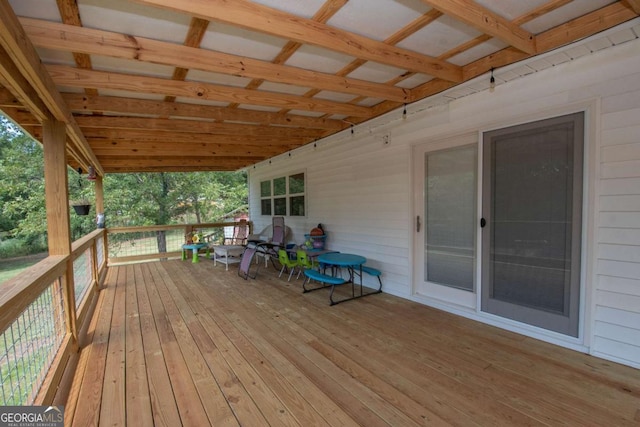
{"x": 283, "y": 195}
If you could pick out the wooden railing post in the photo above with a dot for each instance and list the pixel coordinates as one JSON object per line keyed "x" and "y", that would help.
{"x": 57, "y": 203}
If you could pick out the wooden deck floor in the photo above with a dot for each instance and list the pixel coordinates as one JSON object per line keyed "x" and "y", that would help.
{"x": 176, "y": 343}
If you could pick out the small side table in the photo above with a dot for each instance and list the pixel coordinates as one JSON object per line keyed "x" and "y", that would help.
{"x": 195, "y": 247}
{"x": 221, "y": 253}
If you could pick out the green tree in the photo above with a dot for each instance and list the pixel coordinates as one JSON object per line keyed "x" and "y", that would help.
{"x": 131, "y": 199}
{"x": 136, "y": 199}
{"x": 22, "y": 214}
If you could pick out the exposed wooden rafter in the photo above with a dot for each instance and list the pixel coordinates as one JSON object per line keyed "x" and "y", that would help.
{"x": 72, "y": 77}
{"x": 22, "y": 53}
{"x": 64, "y": 37}
{"x": 118, "y": 105}
{"x": 197, "y": 30}
{"x": 260, "y": 18}
{"x": 634, "y": 5}
{"x": 129, "y": 118}
{"x": 70, "y": 15}
{"x": 487, "y": 22}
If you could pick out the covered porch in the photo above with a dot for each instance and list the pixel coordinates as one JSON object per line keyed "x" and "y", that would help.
{"x": 177, "y": 343}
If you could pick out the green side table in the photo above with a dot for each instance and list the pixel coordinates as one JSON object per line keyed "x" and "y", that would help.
{"x": 195, "y": 247}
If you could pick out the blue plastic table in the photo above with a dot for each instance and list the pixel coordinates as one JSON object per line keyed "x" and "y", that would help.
{"x": 351, "y": 262}
{"x": 195, "y": 247}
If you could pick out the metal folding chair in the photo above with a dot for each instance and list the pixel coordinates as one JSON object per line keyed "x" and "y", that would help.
{"x": 244, "y": 269}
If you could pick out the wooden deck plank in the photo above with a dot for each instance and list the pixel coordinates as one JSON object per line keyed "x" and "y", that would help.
{"x": 85, "y": 346}
{"x": 273, "y": 409}
{"x": 87, "y": 410}
{"x": 189, "y": 405}
{"x": 112, "y": 408}
{"x": 214, "y": 403}
{"x": 302, "y": 398}
{"x": 480, "y": 373}
{"x": 362, "y": 404}
{"x": 137, "y": 385}
{"x": 280, "y": 357}
{"x": 508, "y": 362}
{"x": 163, "y": 402}
{"x": 432, "y": 383}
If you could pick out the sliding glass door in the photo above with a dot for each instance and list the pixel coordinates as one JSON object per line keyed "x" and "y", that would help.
{"x": 531, "y": 208}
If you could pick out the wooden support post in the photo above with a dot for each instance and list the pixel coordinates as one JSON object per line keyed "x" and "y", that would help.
{"x": 57, "y": 203}
{"x": 99, "y": 192}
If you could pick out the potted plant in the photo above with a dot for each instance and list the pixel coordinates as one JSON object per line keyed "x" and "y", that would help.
{"x": 82, "y": 206}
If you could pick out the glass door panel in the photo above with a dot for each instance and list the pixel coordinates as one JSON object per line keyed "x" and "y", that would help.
{"x": 532, "y": 200}
{"x": 450, "y": 217}
{"x": 446, "y": 212}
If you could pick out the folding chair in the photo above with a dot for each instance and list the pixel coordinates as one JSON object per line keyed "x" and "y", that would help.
{"x": 244, "y": 269}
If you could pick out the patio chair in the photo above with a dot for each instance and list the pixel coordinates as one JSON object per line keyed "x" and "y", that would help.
{"x": 268, "y": 249}
{"x": 305, "y": 262}
{"x": 240, "y": 234}
{"x": 244, "y": 269}
{"x": 286, "y": 263}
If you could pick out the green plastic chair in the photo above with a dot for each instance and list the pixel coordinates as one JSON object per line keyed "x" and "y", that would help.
{"x": 305, "y": 262}
{"x": 286, "y": 262}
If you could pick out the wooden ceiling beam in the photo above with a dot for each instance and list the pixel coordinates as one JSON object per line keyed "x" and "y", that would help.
{"x": 58, "y": 36}
{"x": 70, "y": 14}
{"x": 120, "y": 135}
{"x": 103, "y": 137}
{"x": 395, "y": 38}
{"x": 118, "y": 105}
{"x": 633, "y": 4}
{"x": 581, "y": 27}
{"x": 486, "y": 21}
{"x": 15, "y": 42}
{"x": 328, "y": 9}
{"x": 21, "y": 89}
{"x": 186, "y": 163}
{"x": 8, "y": 99}
{"x": 584, "y": 26}
{"x": 587, "y": 25}
{"x": 197, "y": 30}
{"x": 177, "y": 125}
{"x": 171, "y": 149}
{"x": 226, "y": 167}
{"x": 75, "y": 77}
{"x": 256, "y": 17}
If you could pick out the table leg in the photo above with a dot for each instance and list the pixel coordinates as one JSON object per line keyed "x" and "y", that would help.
{"x": 184, "y": 254}
{"x": 195, "y": 256}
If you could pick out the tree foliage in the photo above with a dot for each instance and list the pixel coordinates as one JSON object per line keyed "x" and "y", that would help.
{"x": 131, "y": 199}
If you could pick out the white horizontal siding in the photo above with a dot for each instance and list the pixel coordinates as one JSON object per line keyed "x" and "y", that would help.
{"x": 616, "y": 331}
{"x": 357, "y": 189}
{"x": 361, "y": 190}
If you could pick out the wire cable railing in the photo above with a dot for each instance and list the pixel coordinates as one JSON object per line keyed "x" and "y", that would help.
{"x": 29, "y": 345}
{"x": 39, "y": 312}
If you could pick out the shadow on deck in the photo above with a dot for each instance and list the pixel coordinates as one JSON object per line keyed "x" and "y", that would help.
{"x": 175, "y": 343}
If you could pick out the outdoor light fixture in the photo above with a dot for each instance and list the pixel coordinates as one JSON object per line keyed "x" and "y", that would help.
{"x": 404, "y": 112}
{"x": 92, "y": 174}
{"x": 492, "y": 82}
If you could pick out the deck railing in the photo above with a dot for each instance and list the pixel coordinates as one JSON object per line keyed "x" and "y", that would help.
{"x": 137, "y": 244}
{"x": 41, "y": 311}
{"x": 44, "y": 310}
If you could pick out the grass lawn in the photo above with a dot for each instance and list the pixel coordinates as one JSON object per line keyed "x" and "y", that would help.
{"x": 11, "y": 267}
